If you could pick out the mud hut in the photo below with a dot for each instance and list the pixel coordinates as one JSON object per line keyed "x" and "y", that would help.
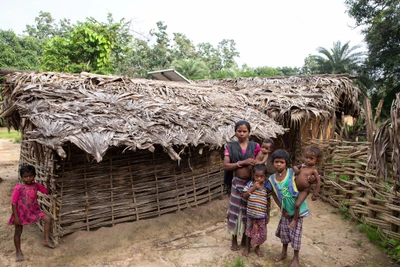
{"x": 311, "y": 107}
{"x": 115, "y": 149}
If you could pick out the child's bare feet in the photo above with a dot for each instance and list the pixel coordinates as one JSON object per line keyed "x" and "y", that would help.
{"x": 235, "y": 247}
{"x": 295, "y": 262}
{"x": 47, "y": 244}
{"x": 280, "y": 256}
{"x": 292, "y": 224}
{"x": 245, "y": 253}
{"x": 19, "y": 256}
{"x": 258, "y": 251}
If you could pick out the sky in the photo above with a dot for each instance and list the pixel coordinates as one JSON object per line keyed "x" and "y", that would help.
{"x": 267, "y": 32}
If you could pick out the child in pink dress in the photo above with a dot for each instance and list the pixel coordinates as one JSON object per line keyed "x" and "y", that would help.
{"x": 25, "y": 208}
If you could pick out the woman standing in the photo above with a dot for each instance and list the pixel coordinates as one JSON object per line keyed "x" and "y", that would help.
{"x": 239, "y": 158}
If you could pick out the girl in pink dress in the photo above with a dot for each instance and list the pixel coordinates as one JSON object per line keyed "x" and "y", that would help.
{"x": 25, "y": 208}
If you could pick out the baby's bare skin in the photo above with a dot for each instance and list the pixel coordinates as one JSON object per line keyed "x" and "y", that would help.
{"x": 303, "y": 186}
{"x": 304, "y": 173}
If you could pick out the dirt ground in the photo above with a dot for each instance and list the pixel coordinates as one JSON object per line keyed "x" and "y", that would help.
{"x": 192, "y": 237}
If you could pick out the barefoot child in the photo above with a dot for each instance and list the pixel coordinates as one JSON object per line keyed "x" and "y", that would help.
{"x": 312, "y": 156}
{"x": 258, "y": 209}
{"x": 25, "y": 208}
{"x": 285, "y": 193}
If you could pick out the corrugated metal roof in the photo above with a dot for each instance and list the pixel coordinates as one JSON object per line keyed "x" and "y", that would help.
{"x": 168, "y": 75}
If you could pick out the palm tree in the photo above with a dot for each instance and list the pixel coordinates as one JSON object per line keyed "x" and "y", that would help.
{"x": 192, "y": 69}
{"x": 339, "y": 59}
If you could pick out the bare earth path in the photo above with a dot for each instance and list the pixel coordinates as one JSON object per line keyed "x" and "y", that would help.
{"x": 192, "y": 237}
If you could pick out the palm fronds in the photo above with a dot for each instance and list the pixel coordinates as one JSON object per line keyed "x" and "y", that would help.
{"x": 96, "y": 112}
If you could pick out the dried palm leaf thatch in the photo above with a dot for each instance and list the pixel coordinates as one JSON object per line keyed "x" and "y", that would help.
{"x": 96, "y": 112}
{"x": 386, "y": 146}
{"x": 380, "y": 146}
{"x": 292, "y": 99}
{"x": 395, "y": 138}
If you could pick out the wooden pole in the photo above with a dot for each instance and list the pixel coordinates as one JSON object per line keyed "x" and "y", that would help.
{"x": 368, "y": 119}
{"x": 377, "y": 114}
{"x": 133, "y": 191}
{"x": 156, "y": 180}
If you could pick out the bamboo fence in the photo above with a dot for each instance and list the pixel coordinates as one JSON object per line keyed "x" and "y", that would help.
{"x": 349, "y": 184}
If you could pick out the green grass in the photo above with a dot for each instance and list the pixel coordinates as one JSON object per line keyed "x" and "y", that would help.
{"x": 239, "y": 262}
{"x": 12, "y": 135}
{"x": 394, "y": 249}
{"x": 374, "y": 235}
{"x": 344, "y": 210}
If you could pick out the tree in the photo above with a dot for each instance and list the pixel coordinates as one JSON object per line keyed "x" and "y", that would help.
{"x": 183, "y": 47}
{"x": 220, "y": 60}
{"x": 267, "y": 72}
{"x": 19, "y": 52}
{"x": 226, "y": 73}
{"x": 161, "y": 55}
{"x": 85, "y": 50}
{"x": 246, "y": 71}
{"x": 310, "y": 66}
{"x": 210, "y": 55}
{"x": 46, "y": 27}
{"x": 228, "y": 53}
{"x": 289, "y": 71}
{"x": 193, "y": 69}
{"x": 137, "y": 60}
{"x": 90, "y": 47}
{"x": 339, "y": 59}
{"x": 381, "y": 25}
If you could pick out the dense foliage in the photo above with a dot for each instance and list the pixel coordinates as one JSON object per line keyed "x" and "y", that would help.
{"x": 380, "y": 21}
{"x": 114, "y": 48}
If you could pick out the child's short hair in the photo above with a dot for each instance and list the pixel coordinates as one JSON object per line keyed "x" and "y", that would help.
{"x": 281, "y": 154}
{"x": 27, "y": 168}
{"x": 260, "y": 167}
{"x": 268, "y": 141}
{"x": 314, "y": 150}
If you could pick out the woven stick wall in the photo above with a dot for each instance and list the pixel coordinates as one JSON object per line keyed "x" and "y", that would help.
{"x": 349, "y": 184}
{"x": 132, "y": 186}
{"x": 43, "y": 159}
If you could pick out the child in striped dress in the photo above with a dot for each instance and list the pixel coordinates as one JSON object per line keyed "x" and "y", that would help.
{"x": 258, "y": 209}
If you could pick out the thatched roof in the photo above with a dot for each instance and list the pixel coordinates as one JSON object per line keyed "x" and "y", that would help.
{"x": 96, "y": 112}
{"x": 293, "y": 99}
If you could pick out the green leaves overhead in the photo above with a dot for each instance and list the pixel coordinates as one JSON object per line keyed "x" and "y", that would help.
{"x": 380, "y": 21}
{"x": 193, "y": 69}
{"x": 19, "y": 52}
{"x": 46, "y": 27}
{"x": 89, "y": 47}
{"x": 339, "y": 59}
